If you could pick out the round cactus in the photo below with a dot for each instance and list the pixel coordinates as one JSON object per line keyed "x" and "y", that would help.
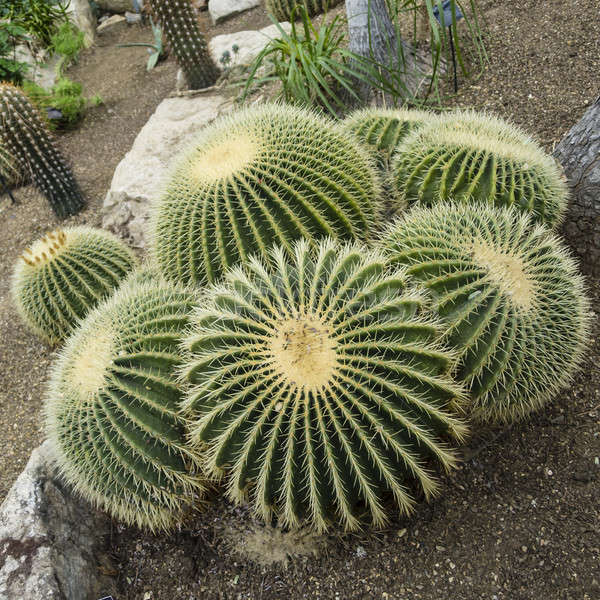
{"x": 282, "y": 9}
{"x": 112, "y": 410}
{"x": 466, "y": 156}
{"x": 319, "y": 382}
{"x": 62, "y": 276}
{"x": 266, "y": 175}
{"x": 511, "y": 295}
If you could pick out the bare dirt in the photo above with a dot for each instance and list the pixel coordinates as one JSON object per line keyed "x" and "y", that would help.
{"x": 519, "y": 520}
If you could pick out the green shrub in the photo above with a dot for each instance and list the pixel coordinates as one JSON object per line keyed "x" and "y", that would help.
{"x": 11, "y": 70}
{"x": 40, "y": 18}
{"x": 65, "y": 95}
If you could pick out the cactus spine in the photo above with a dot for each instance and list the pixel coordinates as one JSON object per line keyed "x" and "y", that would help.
{"x": 62, "y": 276}
{"x": 25, "y": 136}
{"x": 267, "y": 175}
{"x": 318, "y": 382}
{"x": 9, "y": 170}
{"x": 466, "y": 156}
{"x": 112, "y": 409}
{"x": 182, "y": 31}
{"x": 511, "y": 296}
{"x": 282, "y": 9}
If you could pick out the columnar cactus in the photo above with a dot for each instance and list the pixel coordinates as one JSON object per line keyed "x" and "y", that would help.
{"x": 467, "y": 156}
{"x": 319, "y": 382}
{"x": 27, "y": 139}
{"x": 65, "y": 274}
{"x": 9, "y": 171}
{"x": 180, "y": 26}
{"x": 282, "y": 9}
{"x": 512, "y": 298}
{"x": 267, "y": 175}
{"x": 112, "y": 409}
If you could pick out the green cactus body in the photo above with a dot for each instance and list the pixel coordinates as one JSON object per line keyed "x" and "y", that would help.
{"x": 9, "y": 171}
{"x": 266, "y": 175}
{"x": 282, "y": 9}
{"x": 319, "y": 382}
{"x": 182, "y": 31}
{"x": 112, "y": 409}
{"x": 511, "y": 296}
{"x": 65, "y": 274}
{"x": 24, "y": 135}
{"x": 465, "y": 156}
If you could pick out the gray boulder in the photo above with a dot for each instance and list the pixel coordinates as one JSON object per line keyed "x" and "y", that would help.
{"x": 220, "y": 10}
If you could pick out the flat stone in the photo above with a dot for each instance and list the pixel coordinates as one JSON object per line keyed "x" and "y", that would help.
{"x": 140, "y": 177}
{"x": 249, "y": 43}
{"x": 116, "y": 6}
{"x": 221, "y": 10}
{"x": 114, "y": 22}
{"x": 49, "y": 539}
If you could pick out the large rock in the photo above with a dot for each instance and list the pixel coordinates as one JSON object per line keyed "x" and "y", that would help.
{"x": 116, "y": 6}
{"x": 220, "y": 10}
{"x": 80, "y": 12}
{"x": 139, "y": 178}
{"x": 42, "y": 67}
{"x": 49, "y": 540}
{"x": 249, "y": 43}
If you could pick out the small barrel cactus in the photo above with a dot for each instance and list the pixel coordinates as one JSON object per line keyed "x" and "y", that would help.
{"x": 24, "y": 134}
{"x": 62, "y": 276}
{"x": 180, "y": 26}
{"x": 511, "y": 295}
{"x": 282, "y": 9}
{"x": 267, "y": 175}
{"x": 466, "y": 156}
{"x": 319, "y": 382}
{"x": 112, "y": 409}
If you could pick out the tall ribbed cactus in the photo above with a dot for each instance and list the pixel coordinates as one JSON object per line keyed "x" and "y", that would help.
{"x": 112, "y": 409}
{"x": 25, "y": 136}
{"x": 319, "y": 382}
{"x": 10, "y": 172}
{"x": 181, "y": 28}
{"x": 282, "y": 9}
{"x": 265, "y": 175}
{"x": 65, "y": 274}
{"x": 469, "y": 156}
{"x": 512, "y": 298}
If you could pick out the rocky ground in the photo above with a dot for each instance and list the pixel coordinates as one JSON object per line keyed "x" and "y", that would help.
{"x": 520, "y": 518}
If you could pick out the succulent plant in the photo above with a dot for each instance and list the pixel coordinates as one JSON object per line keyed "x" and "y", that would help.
{"x": 514, "y": 303}
{"x": 10, "y": 173}
{"x": 66, "y": 273}
{"x": 319, "y": 382}
{"x": 266, "y": 175}
{"x": 180, "y": 26}
{"x": 112, "y": 408}
{"x": 25, "y": 136}
{"x": 282, "y": 9}
{"x": 466, "y": 156}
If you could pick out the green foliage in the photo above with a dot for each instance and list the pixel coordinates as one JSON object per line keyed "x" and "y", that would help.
{"x": 319, "y": 383}
{"x": 467, "y": 156}
{"x": 11, "y": 70}
{"x": 268, "y": 174}
{"x": 40, "y": 18}
{"x": 283, "y": 10}
{"x": 61, "y": 277}
{"x": 65, "y": 95}
{"x": 159, "y": 52}
{"x": 511, "y": 296}
{"x": 112, "y": 409}
{"x": 24, "y": 134}
{"x": 180, "y": 27}
{"x": 67, "y": 41}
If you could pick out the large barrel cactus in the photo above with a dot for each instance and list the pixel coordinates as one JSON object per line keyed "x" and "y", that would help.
{"x": 512, "y": 298}
{"x": 112, "y": 410}
{"x": 26, "y": 138}
{"x": 266, "y": 175}
{"x": 65, "y": 274}
{"x": 466, "y": 156}
{"x": 319, "y": 382}
{"x": 282, "y": 9}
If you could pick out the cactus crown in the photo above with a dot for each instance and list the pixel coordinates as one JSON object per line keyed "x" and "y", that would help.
{"x": 470, "y": 156}
{"x": 511, "y": 296}
{"x": 65, "y": 274}
{"x": 23, "y": 133}
{"x": 112, "y": 410}
{"x": 317, "y": 382}
{"x": 266, "y": 175}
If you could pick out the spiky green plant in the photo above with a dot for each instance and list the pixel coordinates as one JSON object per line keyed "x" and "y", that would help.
{"x": 266, "y": 175}
{"x": 8, "y": 168}
{"x": 319, "y": 382}
{"x": 62, "y": 276}
{"x": 466, "y": 156}
{"x": 512, "y": 298}
{"x": 180, "y": 26}
{"x": 112, "y": 409}
{"x": 282, "y": 9}
{"x": 24, "y": 134}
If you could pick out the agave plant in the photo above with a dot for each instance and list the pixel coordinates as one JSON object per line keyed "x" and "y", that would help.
{"x": 318, "y": 382}
{"x": 512, "y": 298}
